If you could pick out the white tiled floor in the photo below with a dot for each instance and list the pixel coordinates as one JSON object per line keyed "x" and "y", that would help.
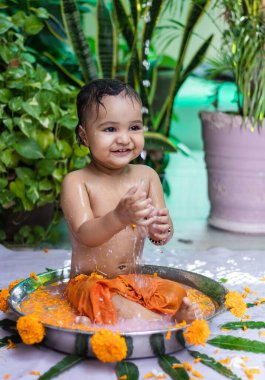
{"x": 189, "y": 207}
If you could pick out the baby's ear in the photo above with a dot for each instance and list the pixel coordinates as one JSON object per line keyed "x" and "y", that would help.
{"x": 82, "y": 135}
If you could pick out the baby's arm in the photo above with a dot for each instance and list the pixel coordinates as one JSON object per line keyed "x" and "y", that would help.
{"x": 161, "y": 229}
{"x": 133, "y": 208}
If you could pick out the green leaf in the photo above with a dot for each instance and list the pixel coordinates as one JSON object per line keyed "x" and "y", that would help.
{"x": 53, "y": 152}
{"x": 106, "y": 38}
{"x": 66, "y": 363}
{"x": 28, "y": 148}
{"x": 15, "y": 339}
{"x": 15, "y": 103}
{"x": 5, "y": 95}
{"x": 9, "y": 158}
{"x": 156, "y": 141}
{"x": 166, "y": 362}
{"x": 45, "y": 167}
{"x": 5, "y": 24}
{"x": 127, "y": 368}
{"x": 229, "y": 342}
{"x": 240, "y": 325}
{"x": 25, "y": 174}
{"x": 76, "y": 36}
{"x": 218, "y": 367}
{"x": 3, "y": 182}
{"x": 45, "y": 185}
{"x": 8, "y": 325}
{"x": 33, "y": 25}
{"x": 157, "y": 343}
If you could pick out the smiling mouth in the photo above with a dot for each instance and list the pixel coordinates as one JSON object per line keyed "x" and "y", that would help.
{"x": 121, "y": 151}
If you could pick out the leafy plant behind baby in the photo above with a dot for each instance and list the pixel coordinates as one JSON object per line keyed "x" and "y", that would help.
{"x": 37, "y": 146}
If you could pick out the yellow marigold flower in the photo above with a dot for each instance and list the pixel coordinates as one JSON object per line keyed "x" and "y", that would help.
{"x": 163, "y": 376}
{"x": 197, "y": 333}
{"x": 37, "y": 373}
{"x": 30, "y": 329}
{"x": 4, "y": 294}
{"x": 197, "y": 360}
{"x": 109, "y": 346}
{"x": 14, "y": 283}
{"x": 235, "y": 303}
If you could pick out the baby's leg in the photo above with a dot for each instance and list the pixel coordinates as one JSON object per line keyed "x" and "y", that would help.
{"x": 128, "y": 309}
{"x": 188, "y": 311}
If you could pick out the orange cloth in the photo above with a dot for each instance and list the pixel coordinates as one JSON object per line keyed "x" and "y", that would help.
{"x": 91, "y": 295}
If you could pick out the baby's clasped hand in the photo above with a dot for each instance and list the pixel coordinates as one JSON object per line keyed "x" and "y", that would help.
{"x": 159, "y": 229}
{"x": 135, "y": 208}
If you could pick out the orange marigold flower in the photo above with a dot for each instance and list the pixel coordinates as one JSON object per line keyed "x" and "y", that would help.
{"x": 11, "y": 345}
{"x": 14, "y": 283}
{"x": 4, "y": 294}
{"x": 30, "y": 329}
{"x": 109, "y": 346}
{"x": 45, "y": 250}
{"x": 34, "y": 276}
{"x": 235, "y": 303}
{"x": 163, "y": 376}
{"x": 7, "y": 376}
{"x": 197, "y": 333}
{"x": 37, "y": 373}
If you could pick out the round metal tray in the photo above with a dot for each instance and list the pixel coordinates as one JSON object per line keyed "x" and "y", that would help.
{"x": 140, "y": 344}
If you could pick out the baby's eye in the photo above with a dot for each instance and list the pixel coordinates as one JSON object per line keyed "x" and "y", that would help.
{"x": 136, "y": 127}
{"x": 109, "y": 129}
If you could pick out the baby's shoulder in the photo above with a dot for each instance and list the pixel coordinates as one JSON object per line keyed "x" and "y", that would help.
{"x": 75, "y": 176}
{"x": 145, "y": 170}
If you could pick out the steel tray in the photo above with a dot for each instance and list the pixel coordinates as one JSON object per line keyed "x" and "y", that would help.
{"x": 140, "y": 344}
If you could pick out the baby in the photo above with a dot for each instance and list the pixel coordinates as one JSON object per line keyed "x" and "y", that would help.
{"x": 112, "y": 205}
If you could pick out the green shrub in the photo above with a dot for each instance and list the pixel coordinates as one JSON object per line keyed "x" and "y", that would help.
{"x": 37, "y": 122}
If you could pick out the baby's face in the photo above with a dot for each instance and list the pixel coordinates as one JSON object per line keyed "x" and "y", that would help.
{"x": 115, "y": 135}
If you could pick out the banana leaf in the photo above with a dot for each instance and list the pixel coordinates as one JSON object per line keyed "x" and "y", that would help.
{"x": 106, "y": 42}
{"x": 75, "y": 33}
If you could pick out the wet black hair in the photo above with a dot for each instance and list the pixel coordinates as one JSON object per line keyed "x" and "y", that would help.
{"x": 92, "y": 94}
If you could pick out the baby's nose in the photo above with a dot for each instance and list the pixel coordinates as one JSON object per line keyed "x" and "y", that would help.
{"x": 123, "y": 138}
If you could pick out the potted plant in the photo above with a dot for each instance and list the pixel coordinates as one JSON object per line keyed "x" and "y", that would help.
{"x": 235, "y": 142}
{"x": 37, "y": 145}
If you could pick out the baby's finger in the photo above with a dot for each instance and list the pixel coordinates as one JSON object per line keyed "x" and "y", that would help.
{"x": 162, "y": 212}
